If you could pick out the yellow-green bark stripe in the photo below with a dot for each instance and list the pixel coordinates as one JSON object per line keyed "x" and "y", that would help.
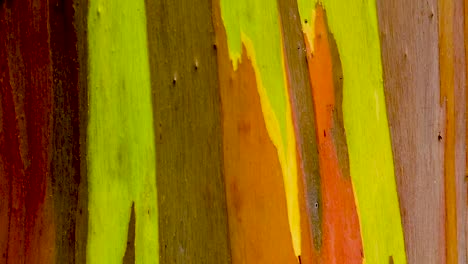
{"x": 121, "y": 152}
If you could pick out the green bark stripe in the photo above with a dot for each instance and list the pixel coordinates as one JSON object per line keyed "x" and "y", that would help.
{"x": 121, "y": 148}
{"x": 354, "y": 26}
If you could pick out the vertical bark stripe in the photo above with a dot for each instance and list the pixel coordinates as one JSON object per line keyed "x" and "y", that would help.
{"x": 268, "y": 63}
{"x": 121, "y": 147}
{"x": 27, "y": 232}
{"x": 447, "y": 100}
{"x": 354, "y": 26}
{"x": 341, "y": 232}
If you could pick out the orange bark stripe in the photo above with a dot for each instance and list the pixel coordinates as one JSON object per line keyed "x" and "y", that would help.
{"x": 341, "y": 231}
{"x": 447, "y": 86}
{"x": 256, "y": 199}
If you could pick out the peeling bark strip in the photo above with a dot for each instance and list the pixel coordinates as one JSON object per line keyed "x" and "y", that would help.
{"x": 121, "y": 145}
{"x": 354, "y": 27}
{"x": 256, "y": 199}
{"x": 341, "y": 232}
{"x": 251, "y": 24}
{"x": 302, "y": 107}
{"x": 186, "y": 104}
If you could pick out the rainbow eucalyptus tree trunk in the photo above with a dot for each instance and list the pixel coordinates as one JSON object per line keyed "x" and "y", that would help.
{"x": 247, "y": 131}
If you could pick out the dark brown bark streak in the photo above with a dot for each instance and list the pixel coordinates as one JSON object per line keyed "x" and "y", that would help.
{"x": 338, "y": 130}
{"x": 66, "y": 157}
{"x": 303, "y": 113}
{"x": 81, "y": 27}
{"x": 129, "y": 256}
{"x": 186, "y": 102}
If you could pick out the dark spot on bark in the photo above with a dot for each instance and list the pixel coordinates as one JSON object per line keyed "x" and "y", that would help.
{"x": 215, "y": 47}
{"x": 129, "y": 256}
{"x": 439, "y": 137}
{"x": 299, "y": 259}
{"x": 390, "y": 259}
{"x": 325, "y": 133}
{"x": 305, "y": 21}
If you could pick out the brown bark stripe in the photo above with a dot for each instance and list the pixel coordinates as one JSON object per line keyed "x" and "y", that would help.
{"x": 193, "y": 224}
{"x": 302, "y": 108}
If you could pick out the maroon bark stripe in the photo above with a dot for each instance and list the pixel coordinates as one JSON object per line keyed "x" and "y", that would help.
{"x": 26, "y": 106}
